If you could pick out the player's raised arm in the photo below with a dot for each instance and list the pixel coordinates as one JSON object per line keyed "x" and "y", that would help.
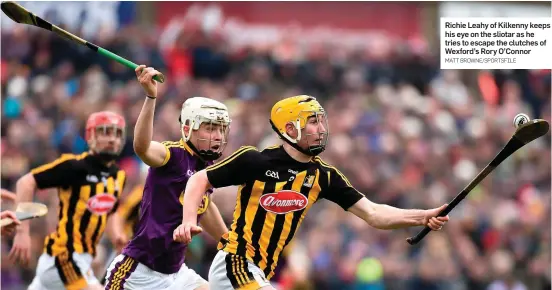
{"x": 152, "y": 153}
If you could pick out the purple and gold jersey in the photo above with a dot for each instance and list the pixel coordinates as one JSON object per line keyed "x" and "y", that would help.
{"x": 161, "y": 210}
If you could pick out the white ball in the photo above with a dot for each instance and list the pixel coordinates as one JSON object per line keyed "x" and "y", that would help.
{"x": 521, "y": 119}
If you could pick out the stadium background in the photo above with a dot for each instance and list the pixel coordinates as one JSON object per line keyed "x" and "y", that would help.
{"x": 403, "y": 131}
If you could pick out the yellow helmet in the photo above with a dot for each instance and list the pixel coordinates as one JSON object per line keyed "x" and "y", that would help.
{"x": 296, "y": 110}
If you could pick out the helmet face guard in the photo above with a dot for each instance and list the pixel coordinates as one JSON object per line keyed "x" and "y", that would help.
{"x": 320, "y": 119}
{"x": 300, "y": 111}
{"x": 209, "y": 119}
{"x": 103, "y": 128}
{"x": 208, "y": 148}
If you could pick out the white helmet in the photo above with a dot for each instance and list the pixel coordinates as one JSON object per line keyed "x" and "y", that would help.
{"x": 198, "y": 110}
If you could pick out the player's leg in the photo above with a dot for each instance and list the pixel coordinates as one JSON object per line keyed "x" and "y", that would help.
{"x": 45, "y": 262}
{"x": 127, "y": 273}
{"x": 75, "y": 271}
{"x": 229, "y": 272}
{"x": 188, "y": 279}
{"x": 119, "y": 274}
{"x": 60, "y": 272}
{"x": 84, "y": 262}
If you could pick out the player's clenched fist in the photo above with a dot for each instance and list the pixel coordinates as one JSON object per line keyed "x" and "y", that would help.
{"x": 145, "y": 77}
{"x": 433, "y": 221}
{"x": 9, "y": 229}
{"x": 185, "y": 232}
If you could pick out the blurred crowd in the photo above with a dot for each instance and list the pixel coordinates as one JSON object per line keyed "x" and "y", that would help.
{"x": 404, "y": 132}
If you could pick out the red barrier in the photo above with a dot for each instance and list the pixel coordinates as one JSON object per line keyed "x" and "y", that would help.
{"x": 400, "y": 19}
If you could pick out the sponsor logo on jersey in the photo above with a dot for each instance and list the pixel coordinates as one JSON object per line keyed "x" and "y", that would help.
{"x": 284, "y": 201}
{"x": 101, "y": 203}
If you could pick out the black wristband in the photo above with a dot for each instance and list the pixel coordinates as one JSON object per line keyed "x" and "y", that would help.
{"x": 150, "y": 97}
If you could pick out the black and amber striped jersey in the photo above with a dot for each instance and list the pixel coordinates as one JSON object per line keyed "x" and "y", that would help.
{"x": 88, "y": 191}
{"x": 275, "y": 193}
{"x": 129, "y": 209}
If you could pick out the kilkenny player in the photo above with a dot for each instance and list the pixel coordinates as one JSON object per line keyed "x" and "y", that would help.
{"x": 277, "y": 187}
{"x": 89, "y": 185}
{"x": 152, "y": 260}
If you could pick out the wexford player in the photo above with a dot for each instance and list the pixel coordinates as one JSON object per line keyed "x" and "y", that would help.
{"x": 278, "y": 186}
{"x": 89, "y": 186}
{"x": 152, "y": 260}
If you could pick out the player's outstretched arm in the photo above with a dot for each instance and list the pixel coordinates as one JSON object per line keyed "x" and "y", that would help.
{"x": 197, "y": 185}
{"x": 386, "y": 217}
{"x": 151, "y": 152}
{"x": 380, "y": 216}
{"x": 213, "y": 223}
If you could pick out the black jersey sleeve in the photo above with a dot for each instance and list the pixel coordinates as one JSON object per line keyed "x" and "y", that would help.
{"x": 234, "y": 169}
{"x": 340, "y": 190}
{"x": 60, "y": 172}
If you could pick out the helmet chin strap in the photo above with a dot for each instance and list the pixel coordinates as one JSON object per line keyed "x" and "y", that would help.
{"x": 206, "y": 155}
{"x": 311, "y": 151}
